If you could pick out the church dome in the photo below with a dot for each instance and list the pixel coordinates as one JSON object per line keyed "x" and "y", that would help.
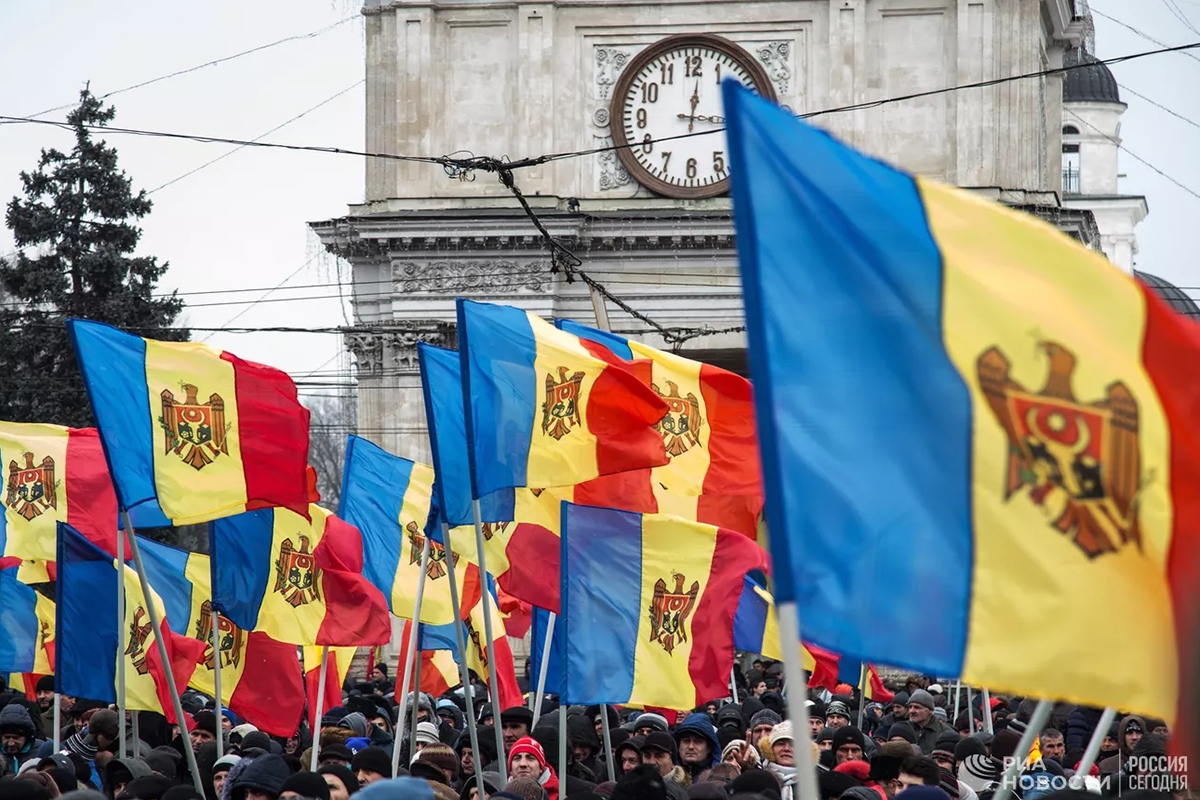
{"x": 1176, "y": 297}
{"x": 1091, "y": 84}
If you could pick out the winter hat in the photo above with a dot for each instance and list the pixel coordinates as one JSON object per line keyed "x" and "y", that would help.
{"x": 103, "y": 723}
{"x": 660, "y": 740}
{"x": 335, "y": 751}
{"x": 529, "y": 745}
{"x": 257, "y": 739}
{"x": 845, "y": 735}
{"x": 654, "y": 721}
{"x": 780, "y": 732}
{"x": 837, "y": 707}
{"x": 348, "y": 778}
{"x": 756, "y": 781}
{"x": 162, "y": 763}
{"x": 206, "y": 721}
{"x": 225, "y": 763}
{"x": 921, "y": 698}
{"x": 861, "y": 770}
{"x": 427, "y": 772}
{"x": 45, "y": 684}
{"x": 924, "y": 792}
{"x": 948, "y": 783}
{"x": 736, "y": 747}
{"x": 372, "y": 759}
{"x": 824, "y": 735}
{"x": 407, "y": 788}
{"x": 182, "y": 793}
{"x": 765, "y": 717}
{"x": 306, "y": 784}
{"x": 442, "y": 757}
{"x": 833, "y": 783}
{"x": 22, "y": 789}
{"x": 940, "y": 713}
{"x": 901, "y": 699}
{"x": 148, "y": 787}
{"x": 427, "y": 733}
{"x": 1004, "y": 743}
{"x": 525, "y": 788}
{"x": 904, "y": 730}
{"x": 966, "y": 747}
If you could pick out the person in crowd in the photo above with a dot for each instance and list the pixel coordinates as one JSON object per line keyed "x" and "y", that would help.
{"x": 18, "y": 735}
{"x": 648, "y": 722}
{"x": 1130, "y": 731}
{"x": 261, "y": 779}
{"x": 848, "y": 744}
{"x": 697, "y": 744}
{"x": 837, "y": 715}
{"x": 304, "y": 786}
{"x": 920, "y": 716}
{"x": 659, "y": 751}
{"x": 515, "y": 723}
{"x": 526, "y": 759}
{"x": 371, "y": 764}
{"x": 337, "y": 754}
{"x": 781, "y": 758}
{"x": 220, "y": 771}
{"x": 442, "y": 757}
{"x": 205, "y": 729}
{"x": 341, "y": 781}
{"x": 468, "y": 763}
{"x": 919, "y": 771}
{"x": 450, "y": 715}
{"x": 760, "y": 726}
{"x": 379, "y": 678}
{"x": 629, "y": 754}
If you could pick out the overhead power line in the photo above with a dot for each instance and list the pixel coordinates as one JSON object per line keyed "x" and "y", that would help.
{"x": 1135, "y": 156}
{"x": 1183, "y": 50}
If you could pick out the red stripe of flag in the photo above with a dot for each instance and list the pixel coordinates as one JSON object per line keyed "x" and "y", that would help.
{"x": 185, "y": 653}
{"x": 312, "y": 686}
{"x": 270, "y": 692}
{"x": 733, "y": 463}
{"x": 621, "y": 412}
{"x": 91, "y": 501}
{"x": 1170, "y": 350}
{"x": 712, "y": 621}
{"x": 273, "y": 436}
{"x": 356, "y": 613}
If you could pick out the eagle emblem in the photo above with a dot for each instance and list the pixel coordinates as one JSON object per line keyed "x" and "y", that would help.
{"x": 680, "y": 428}
{"x": 560, "y": 411}
{"x": 478, "y": 646}
{"x": 669, "y": 612}
{"x": 1081, "y": 461}
{"x": 296, "y": 573}
{"x": 139, "y": 631}
{"x": 491, "y": 529}
{"x": 32, "y": 488}
{"x": 229, "y": 638}
{"x": 437, "y": 553}
{"x": 195, "y": 431}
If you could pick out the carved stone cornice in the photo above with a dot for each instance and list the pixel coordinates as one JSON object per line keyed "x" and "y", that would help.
{"x": 493, "y": 276}
{"x": 391, "y": 348}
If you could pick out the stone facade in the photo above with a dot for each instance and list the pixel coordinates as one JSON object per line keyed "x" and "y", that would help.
{"x": 520, "y": 79}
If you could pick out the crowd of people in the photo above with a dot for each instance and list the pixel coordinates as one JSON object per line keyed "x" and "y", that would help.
{"x": 746, "y": 749}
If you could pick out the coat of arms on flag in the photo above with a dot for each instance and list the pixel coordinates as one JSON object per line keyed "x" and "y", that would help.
{"x": 560, "y": 411}
{"x": 231, "y": 638}
{"x": 139, "y": 631}
{"x": 194, "y": 429}
{"x": 669, "y": 612}
{"x": 31, "y": 488}
{"x": 437, "y": 553}
{"x": 680, "y": 428}
{"x": 296, "y": 573}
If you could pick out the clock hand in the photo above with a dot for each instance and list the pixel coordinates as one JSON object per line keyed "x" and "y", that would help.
{"x": 702, "y": 118}
{"x": 695, "y": 102}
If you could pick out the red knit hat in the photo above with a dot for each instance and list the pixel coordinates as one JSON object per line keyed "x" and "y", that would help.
{"x": 527, "y": 744}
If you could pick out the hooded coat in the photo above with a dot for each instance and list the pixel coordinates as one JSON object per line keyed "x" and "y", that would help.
{"x": 134, "y": 766}
{"x": 265, "y": 774}
{"x": 1113, "y": 764}
{"x": 15, "y": 718}
{"x": 700, "y": 723}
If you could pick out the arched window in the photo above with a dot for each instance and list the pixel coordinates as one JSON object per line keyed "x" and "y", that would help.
{"x": 1070, "y": 130}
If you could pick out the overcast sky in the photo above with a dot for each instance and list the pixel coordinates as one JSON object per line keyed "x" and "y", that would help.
{"x": 240, "y": 223}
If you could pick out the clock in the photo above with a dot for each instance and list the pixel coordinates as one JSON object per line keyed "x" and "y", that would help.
{"x": 672, "y": 89}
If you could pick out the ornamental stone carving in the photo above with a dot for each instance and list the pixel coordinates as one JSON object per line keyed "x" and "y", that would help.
{"x": 403, "y": 343}
{"x": 459, "y": 277}
{"x": 609, "y": 63}
{"x": 776, "y": 57}
{"x": 367, "y": 349}
{"x": 610, "y": 172}
{"x": 392, "y": 348}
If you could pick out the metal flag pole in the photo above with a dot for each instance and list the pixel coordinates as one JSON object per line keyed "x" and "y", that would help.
{"x": 57, "y": 722}
{"x": 405, "y": 684}
{"x": 463, "y": 672}
{"x": 862, "y": 692}
{"x": 416, "y": 706}
{"x": 121, "y": 641}
{"x": 491, "y": 648}
{"x": 987, "y": 710}
{"x": 137, "y": 734}
{"x": 320, "y": 705}
{"x": 1093, "y": 747}
{"x": 793, "y": 671}
{"x": 733, "y": 686}
{"x": 1041, "y": 715}
{"x": 562, "y": 742}
{"x": 215, "y": 617}
{"x": 957, "y": 696}
{"x": 541, "y": 684}
{"x": 608, "y": 751}
{"x": 970, "y": 710}
{"x": 161, "y": 643}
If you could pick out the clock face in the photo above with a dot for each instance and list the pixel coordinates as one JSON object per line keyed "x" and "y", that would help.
{"x": 671, "y": 89}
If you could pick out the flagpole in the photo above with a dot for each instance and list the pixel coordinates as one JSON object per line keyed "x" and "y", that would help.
{"x": 463, "y": 672}
{"x": 970, "y": 711}
{"x": 320, "y": 705}
{"x": 545, "y": 662}
{"x": 133, "y": 723}
{"x": 401, "y": 717}
{"x": 987, "y": 710}
{"x": 608, "y": 751}
{"x": 1012, "y": 773}
{"x": 416, "y": 709}
{"x": 161, "y": 643}
{"x": 562, "y": 742}
{"x": 215, "y": 618}
{"x": 1093, "y": 747}
{"x": 121, "y": 641}
{"x": 733, "y": 685}
{"x": 793, "y": 671}
{"x": 57, "y": 722}
{"x": 491, "y": 648}
{"x": 957, "y": 694}
{"x": 862, "y": 692}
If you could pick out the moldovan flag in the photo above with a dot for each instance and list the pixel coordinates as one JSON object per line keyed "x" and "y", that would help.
{"x": 52, "y": 474}
{"x": 875, "y": 691}
{"x": 298, "y": 580}
{"x": 936, "y": 373}
{"x": 260, "y": 677}
{"x": 713, "y": 475}
{"x": 756, "y": 630}
{"x": 545, "y": 408}
{"x": 439, "y": 669}
{"x": 649, "y": 603}
{"x": 388, "y": 499}
{"x": 192, "y": 433}
{"x": 86, "y": 650}
{"x": 26, "y": 627}
{"x": 335, "y": 677}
